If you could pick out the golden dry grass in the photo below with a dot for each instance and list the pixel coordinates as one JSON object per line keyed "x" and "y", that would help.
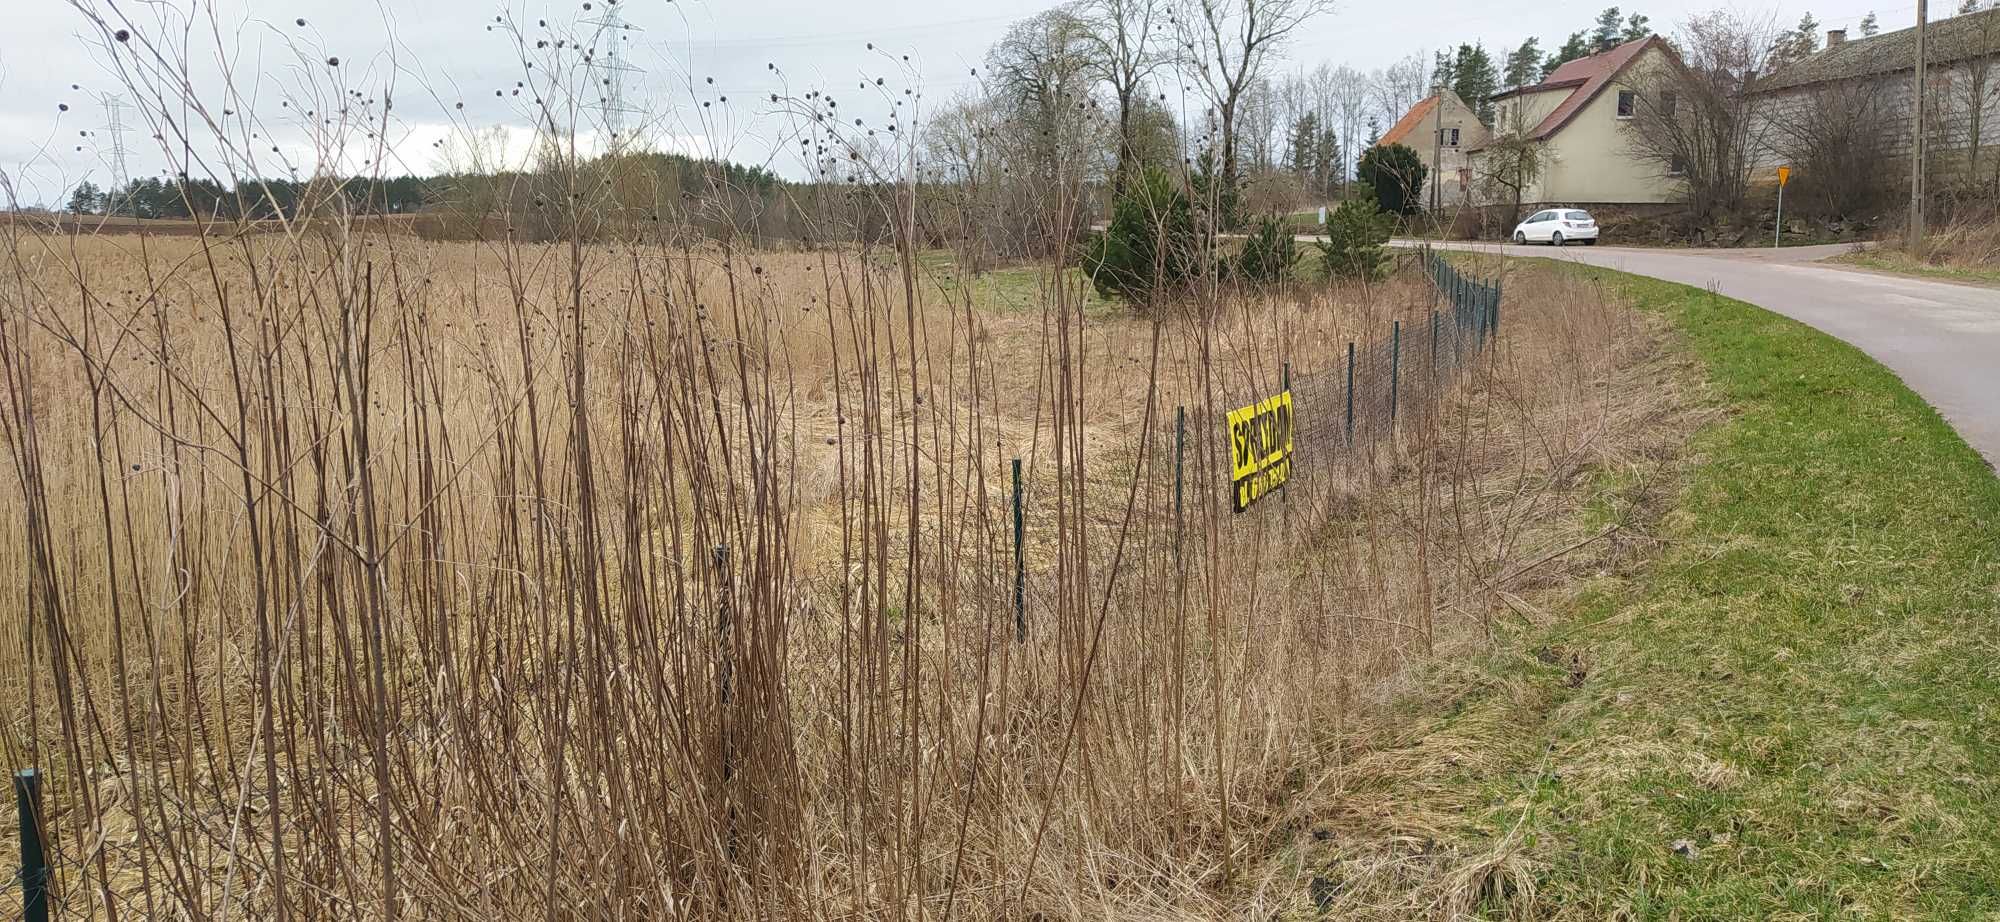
{"x": 369, "y": 577}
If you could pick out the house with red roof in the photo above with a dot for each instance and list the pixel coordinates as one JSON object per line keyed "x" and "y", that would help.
{"x": 1443, "y": 130}
{"x": 1577, "y": 117}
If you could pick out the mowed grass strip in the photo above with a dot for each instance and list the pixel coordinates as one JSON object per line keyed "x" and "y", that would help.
{"x": 1792, "y": 713}
{"x": 1804, "y": 692}
{"x": 1900, "y": 263}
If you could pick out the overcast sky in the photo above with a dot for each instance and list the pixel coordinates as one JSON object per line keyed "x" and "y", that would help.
{"x": 441, "y": 53}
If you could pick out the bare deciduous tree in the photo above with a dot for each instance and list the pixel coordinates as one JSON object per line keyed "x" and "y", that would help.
{"x": 1975, "y": 86}
{"x": 1692, "y": 118}
{"x": 1228, "y": 43}
{"x": 1399, "y": 86}
{"x": 1348, "y": 92}
{"x": 1512, "y": 162}
{"x": 1042, "y": 75}
{"x": 1260, "y": 121}
{"x": 1836, "y": 136}
{"x": 1125, "y": 55}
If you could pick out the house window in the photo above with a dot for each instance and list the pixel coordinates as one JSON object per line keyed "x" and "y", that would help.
{"x": 1628, "y": 103}
{"x": 1667, "y": 103}
{"x": 1677, "y": 166}
{"x": 1448, "y": 137}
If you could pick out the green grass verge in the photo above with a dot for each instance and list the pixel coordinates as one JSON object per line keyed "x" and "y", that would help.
{"x": 1008, "y": 288}
{"x": 1794, "y": 711}
{"x": 1900, "y": 264}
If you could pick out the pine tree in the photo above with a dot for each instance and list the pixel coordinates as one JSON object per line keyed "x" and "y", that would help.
{"x": 1444, "y": 69}
{"x": 1326, "y": 160}
{"x": 1636, "y": 28}
{"x": 86, "y": 199}
{"x": 1299, "y": 148}
{"x": 1396, "y": 174}
{"x": 1869, "y": 26}
{"x": 1806, "y": 39}
{"x": 1577, "y": 47}
{"x": 1524, "y": 64}
{"x": 1474, "y": 79}
{"x": 1609, "y": 26}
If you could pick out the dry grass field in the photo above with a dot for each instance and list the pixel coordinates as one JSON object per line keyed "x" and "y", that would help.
{"x": 1966, "y": 249}
{"x": 366, "y": 577}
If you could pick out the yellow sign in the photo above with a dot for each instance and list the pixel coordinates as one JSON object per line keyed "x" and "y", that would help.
{"x": 1784, "y": 175}
{"x": 1260, "y": 448}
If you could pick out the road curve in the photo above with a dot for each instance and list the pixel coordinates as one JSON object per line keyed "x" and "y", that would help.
{"x": 1943, "y": 339}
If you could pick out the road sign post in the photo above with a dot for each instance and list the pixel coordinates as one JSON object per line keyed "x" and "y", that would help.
{"x": 1778, "y": 226}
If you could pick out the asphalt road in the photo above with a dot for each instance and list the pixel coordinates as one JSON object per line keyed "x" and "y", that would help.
{"x": 1943, "y": 339}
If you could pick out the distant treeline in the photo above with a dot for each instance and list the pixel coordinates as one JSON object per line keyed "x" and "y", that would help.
{"x": 256, "y": 199}
{"x": 644, "y": 195}
{"x": 534, "y": 203}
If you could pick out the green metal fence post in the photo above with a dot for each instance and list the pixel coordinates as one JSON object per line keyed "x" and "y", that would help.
{"x": 34, "y": 853}
{"x": 1350, "y": 392}
{"x": 1479, "y": 318}
{"x": 1021, "y": 559}
{"x": 1395, "y": 368}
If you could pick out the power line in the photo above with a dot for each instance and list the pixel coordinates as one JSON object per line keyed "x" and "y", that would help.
{"x": 611, "y": 98}
{"x": 833, "y": 38}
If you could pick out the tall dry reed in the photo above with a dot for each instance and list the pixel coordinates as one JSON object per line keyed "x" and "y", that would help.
{"x": 650, "y": 576}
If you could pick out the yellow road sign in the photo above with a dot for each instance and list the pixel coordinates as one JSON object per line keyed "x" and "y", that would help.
{"x": 1784, "y": 175}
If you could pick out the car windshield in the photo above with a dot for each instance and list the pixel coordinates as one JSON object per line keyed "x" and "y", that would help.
{"x": 1576, "y": 215}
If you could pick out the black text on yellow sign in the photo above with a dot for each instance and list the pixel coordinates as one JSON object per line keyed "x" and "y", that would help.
{"x": 1260, "y": 448}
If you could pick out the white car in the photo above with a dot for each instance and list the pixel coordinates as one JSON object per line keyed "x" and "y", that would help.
{"x": 1557, "y": 226}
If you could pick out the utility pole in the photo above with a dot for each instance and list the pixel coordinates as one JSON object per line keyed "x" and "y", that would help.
{"x": 1916, "y": 242}
{"x": 1437, "y": 146}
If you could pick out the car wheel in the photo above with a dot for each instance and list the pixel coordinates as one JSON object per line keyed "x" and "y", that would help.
{"x": 1520, "y": 238}
{"x": 1556, "y": 239}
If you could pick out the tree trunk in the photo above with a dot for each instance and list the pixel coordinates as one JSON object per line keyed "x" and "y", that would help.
{"x": 1228, "y": 149}
{"x": 1122, "y": 176}
{"x": 1514, "y": 214}
{"x": 1977, "y": 116}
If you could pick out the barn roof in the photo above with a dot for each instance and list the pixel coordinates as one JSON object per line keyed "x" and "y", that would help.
{"x": 1961, "y": 37}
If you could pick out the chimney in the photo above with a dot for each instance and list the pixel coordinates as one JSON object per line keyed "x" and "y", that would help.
{"x": 1835, "y": 37}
